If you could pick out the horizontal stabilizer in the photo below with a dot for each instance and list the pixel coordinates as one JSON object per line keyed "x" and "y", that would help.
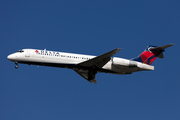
{"x": 161, "y": 55}
{"x": 160, "y": 47}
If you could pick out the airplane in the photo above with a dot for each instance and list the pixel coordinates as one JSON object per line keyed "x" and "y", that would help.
{"x": 87, "y": 65}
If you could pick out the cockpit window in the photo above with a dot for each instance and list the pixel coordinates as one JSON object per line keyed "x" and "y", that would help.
{"x": 21, "y": 51}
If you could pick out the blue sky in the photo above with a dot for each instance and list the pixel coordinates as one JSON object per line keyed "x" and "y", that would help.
{"x": 89, "y": 27}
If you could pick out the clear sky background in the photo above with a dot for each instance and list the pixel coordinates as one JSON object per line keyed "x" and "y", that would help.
{"x": 89, "y": 27}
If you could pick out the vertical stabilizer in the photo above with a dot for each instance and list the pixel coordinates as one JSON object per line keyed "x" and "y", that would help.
{"x": 151, "y": 53}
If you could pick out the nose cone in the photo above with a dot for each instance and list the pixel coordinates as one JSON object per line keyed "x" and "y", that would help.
{"x": 12, "y": 57}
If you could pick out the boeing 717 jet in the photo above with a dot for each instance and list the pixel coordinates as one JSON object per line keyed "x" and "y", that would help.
{"x": 87, "y": 65}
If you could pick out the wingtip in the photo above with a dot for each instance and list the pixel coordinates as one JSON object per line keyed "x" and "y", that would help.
{"x": 119, "y": 49}
{"x": 93, "y": 81}
{"x": 171, "y": 44}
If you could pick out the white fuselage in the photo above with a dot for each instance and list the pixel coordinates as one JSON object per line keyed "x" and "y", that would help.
{"x": 70, "y": 60}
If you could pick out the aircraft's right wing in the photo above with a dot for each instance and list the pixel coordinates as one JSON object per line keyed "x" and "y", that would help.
{"x": 87, "y": 74}
{"x": 90, "y": 67}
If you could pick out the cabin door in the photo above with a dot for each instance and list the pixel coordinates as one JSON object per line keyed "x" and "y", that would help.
{"x": 27, "y": 53}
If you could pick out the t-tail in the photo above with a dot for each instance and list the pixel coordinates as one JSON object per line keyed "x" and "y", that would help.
{"x": 151, "y": 53}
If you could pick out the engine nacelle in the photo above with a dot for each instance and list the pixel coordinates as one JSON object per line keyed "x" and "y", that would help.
{"x": 123, "y": 62}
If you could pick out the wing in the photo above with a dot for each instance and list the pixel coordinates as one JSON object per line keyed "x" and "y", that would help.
{"x": 87, "y": 74}
{"x": 88, "y": 69}
{"x": 99, "y": 61}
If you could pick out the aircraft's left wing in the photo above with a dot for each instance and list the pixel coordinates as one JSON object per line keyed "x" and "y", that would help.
{"x": 91, "y": 66}
{"x": 99, "y": 61}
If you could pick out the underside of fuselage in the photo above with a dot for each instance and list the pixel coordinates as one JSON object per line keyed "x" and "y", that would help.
{"x": 68, "y": 66}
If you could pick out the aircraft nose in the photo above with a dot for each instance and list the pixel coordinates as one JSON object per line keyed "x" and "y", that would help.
{"x": 11, "y": 57}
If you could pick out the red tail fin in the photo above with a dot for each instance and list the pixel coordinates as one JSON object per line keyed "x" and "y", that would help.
{"x": 151, "y": 53}
{"x": 148, "y": 57}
